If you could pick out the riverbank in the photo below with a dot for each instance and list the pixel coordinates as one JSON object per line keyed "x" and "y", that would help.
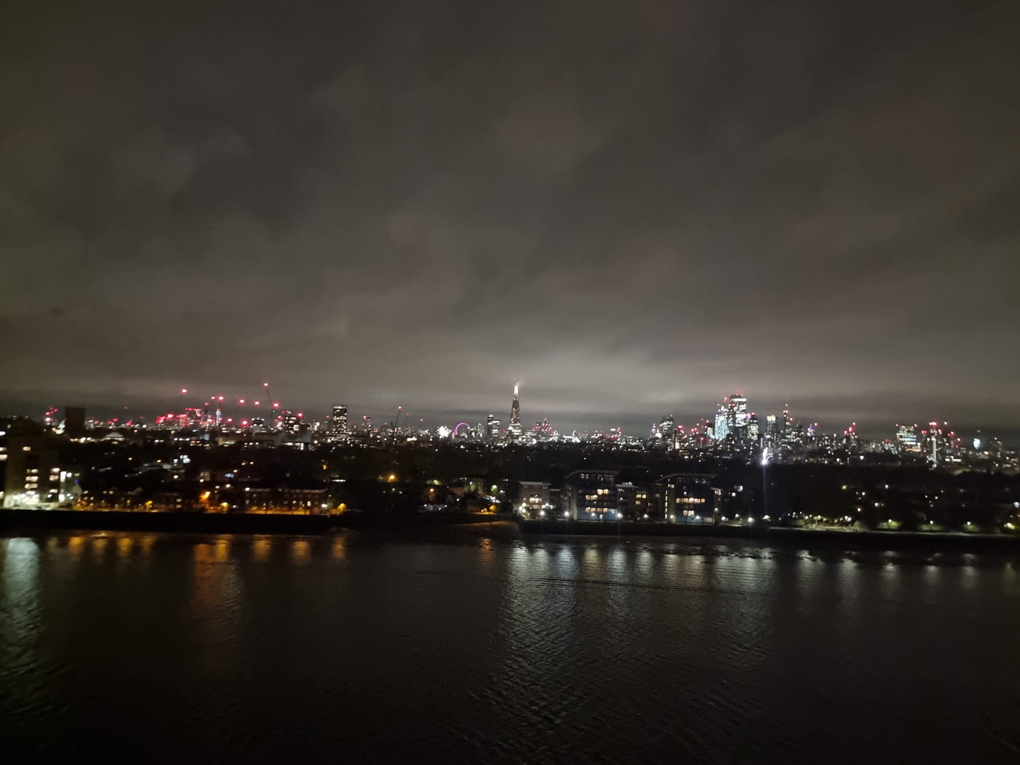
{"x": 457, "y": 526}
{"x": 782, "y": 537}
{"x": 15, "y": 521}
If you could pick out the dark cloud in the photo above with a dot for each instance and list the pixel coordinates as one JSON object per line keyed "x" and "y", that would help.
{"x": 634, "y": 208}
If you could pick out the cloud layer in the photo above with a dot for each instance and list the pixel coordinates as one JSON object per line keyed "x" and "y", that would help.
{"x": 635, "y": 208}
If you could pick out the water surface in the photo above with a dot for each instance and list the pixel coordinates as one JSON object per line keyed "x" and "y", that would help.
{"x": 267, "y": 648}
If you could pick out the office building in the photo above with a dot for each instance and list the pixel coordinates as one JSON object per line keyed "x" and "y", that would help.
{"x": 753, "y": 430}
{"x": 667, "y": 427}
{"x": 736, "y": 416}
{"x": 290, "y": 422}
{"x": 722, "y": 428}
{"x": 907, "y": 440}
{"x": 515, "y": 429}
{"x": 338, "y": 428}
{"x": 492, "y": 428}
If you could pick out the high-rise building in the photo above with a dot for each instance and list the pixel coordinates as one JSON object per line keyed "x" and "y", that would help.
{"x": 906, "y": 439}
{"x": 291, "y": 423}
{"x": 74, "y": 421}
{"x": 667, "y": 426}
{"x": 338, "y": 425}
{"x": 492, "y": 428}
{"x": 936, "y": 444}
{"x": 753, "y": 431}
{"x": 516, "y": 428}
{"x": 722, "y": 428}
{"x": 736, "y": 416}
{"x": 771, "y": 428}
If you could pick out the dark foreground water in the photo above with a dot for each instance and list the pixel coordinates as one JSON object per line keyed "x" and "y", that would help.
{"x": 159, "y": 648}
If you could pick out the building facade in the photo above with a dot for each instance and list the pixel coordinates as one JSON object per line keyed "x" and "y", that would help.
{"x": 338, "y": 427}
{"x": 685, "y": 498}
{"x": 590, "y": 495}
{"x": 632, "y": 502}
{"x": 536, "y": 498}
{"x": 515, "y": 429}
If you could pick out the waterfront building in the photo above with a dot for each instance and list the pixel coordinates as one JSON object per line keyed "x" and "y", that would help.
{"x": 685, "y": 498}
{"x": 536, "y": 498}
{"x": 590, "y": 495}
{"x": 286, "y": 498}
{"x": 34, "y": 476}
{"x": 631, "y": 501}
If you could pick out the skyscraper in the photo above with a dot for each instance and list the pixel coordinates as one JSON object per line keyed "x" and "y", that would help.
{"x": 906, "y": 437}
{"x": 515, "y": 428}
{"x": 492, "y": 428}
{"x": 753, "y": 428}
{"x": 722, "y": 428}
{"x": 338, "y": 425}
{"x": 667, "y": 425}
{"x": 736, "y": 416}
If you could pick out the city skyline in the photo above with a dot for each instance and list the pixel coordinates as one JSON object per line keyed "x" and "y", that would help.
{"x": 632, "y": 215}
{"x": 734, "y": 415}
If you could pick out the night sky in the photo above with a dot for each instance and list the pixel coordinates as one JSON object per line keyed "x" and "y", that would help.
{"x": 633, "y": 208}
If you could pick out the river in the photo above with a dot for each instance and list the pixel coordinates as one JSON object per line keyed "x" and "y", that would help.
{"x": 184, "y": 648}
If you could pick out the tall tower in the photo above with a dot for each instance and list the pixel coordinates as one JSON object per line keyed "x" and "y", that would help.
{"x": 515, "y": 415}
{"x": 338, "y": 425}
{"x": 667, "y": 425}
{"x": 736, "y": 416}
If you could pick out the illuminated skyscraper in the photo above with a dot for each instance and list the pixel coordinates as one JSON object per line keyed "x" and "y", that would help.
{"x": 722, "y": 428}
{"x": 752, "y": 427}
{"x": 736, "y": 416}
{"x": 666, "y": 427}
{"x": 906, "y": 438}
{"x": 515, "y": 428}
{"x": 492, "y": 428}
{"x": 338, "y": 425}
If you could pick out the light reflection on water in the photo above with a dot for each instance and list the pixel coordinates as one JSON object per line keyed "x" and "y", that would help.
{"x": 300, "y": 551}
{"x": 263, "y": 548}
{"x": 99, "y": 543}
{"x": 497, "y": 650}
